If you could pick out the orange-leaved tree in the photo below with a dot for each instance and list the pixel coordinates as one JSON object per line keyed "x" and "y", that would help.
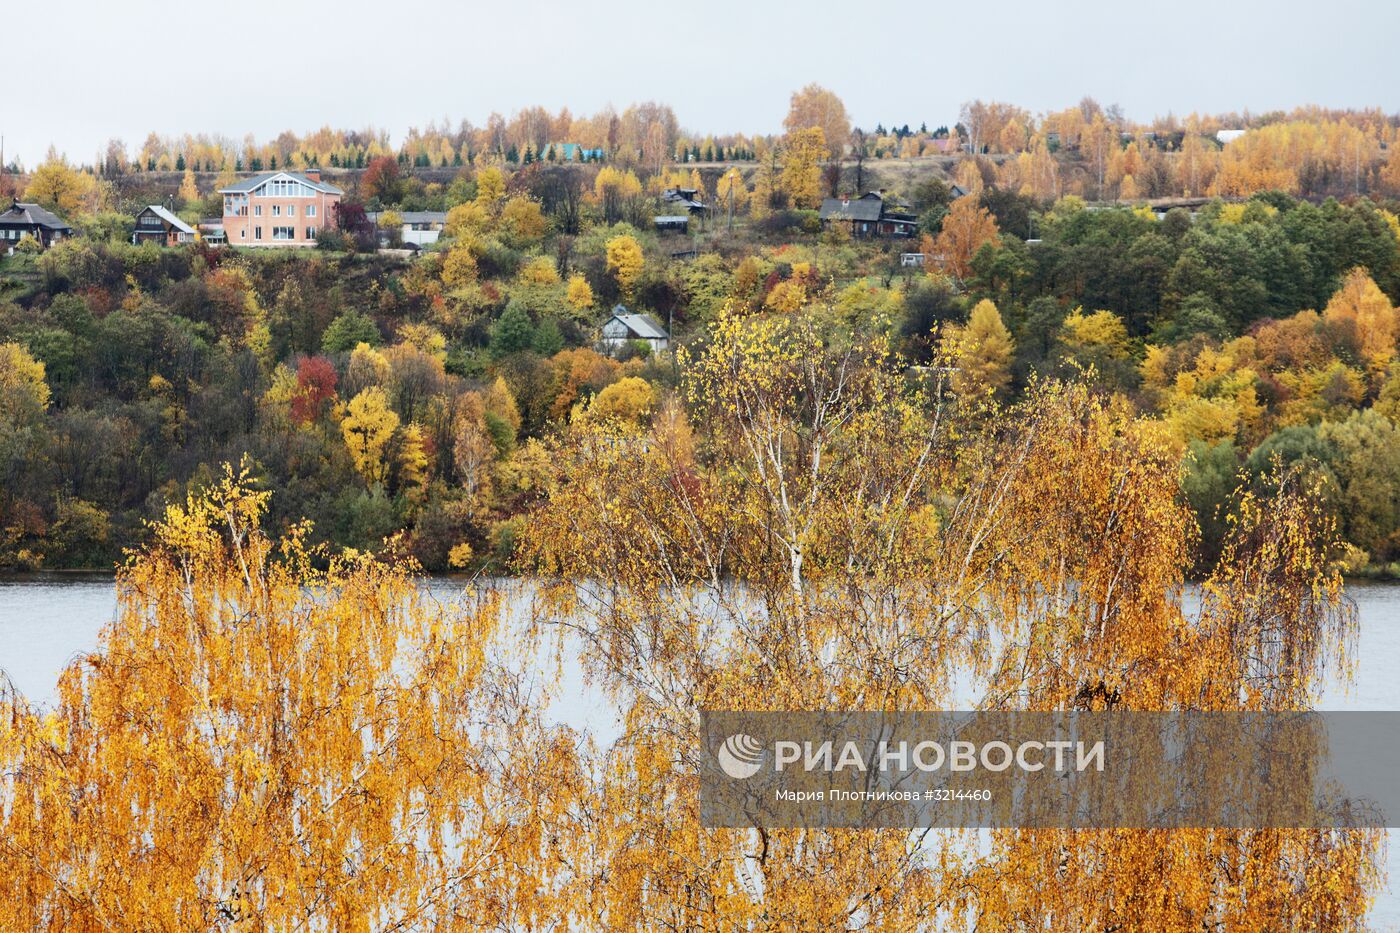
{"x": 273, "y": 739}
{"x": 840, "y": 533}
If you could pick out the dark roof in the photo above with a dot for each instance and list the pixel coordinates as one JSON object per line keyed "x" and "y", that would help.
{"x": 866, "y": 208}
{"x": 32, "y": 215}
{"x": 248, "y": 184}
{"x": 684, "y": 196}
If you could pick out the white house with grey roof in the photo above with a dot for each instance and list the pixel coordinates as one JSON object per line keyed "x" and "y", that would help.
{"x": 624, "y": 327}
{"x": 420, "y": 228}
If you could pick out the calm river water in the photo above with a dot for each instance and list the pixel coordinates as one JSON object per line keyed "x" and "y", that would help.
{"x": 46, "y": 621}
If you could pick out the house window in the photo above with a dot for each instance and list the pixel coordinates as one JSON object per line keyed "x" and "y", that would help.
{"x": 257, "y": 233}
{"x": 242, "y": 234}
{"x": 311, "y": 233}
{"x": 311, "y": 210}
{"x": 291, "y": 210}
{"x": 257, "y": 210}
{"x": 284, "y": 233}
{"x": 276, "y": 210}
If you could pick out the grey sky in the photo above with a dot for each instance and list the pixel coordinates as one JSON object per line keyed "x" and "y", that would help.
{"x": 104, "y": 68}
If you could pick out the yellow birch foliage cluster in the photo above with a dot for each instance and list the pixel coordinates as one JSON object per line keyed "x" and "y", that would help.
{"x": 837, "y": 537}
{"x": 272, "y": 739}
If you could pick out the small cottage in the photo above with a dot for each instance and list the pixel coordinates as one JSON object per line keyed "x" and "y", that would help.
{"x": 155, "y": 224}
{"x": 624, "y": 327}
{"x": 869, "y": 216}
{"x": 23, "y": 220}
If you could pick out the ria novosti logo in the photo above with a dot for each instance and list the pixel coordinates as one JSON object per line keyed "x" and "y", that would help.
{"x": 740, "y": 756}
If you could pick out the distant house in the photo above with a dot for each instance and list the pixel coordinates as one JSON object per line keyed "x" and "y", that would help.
{"x": 676, "y": 223}
{"x": 911, "y": 259}
{"x": 868, "y": 216}
{"x": 684, "y": 197}
{"x": 279, "y": 209}
{"x": 1225, "y": 137}
{"x": 23, "y": 220}
{"x": 624, "y": 327}
{"x": 420, "y": 228}
{"x": 155, "y": 224}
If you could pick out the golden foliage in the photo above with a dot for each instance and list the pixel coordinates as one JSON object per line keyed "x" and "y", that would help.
{"x": 23, "y": 392}
{"x": 629, "y": 400}
{"x": 625, "y": 261}
{"x": 579, "y": 294}
{"x": 540, "y": 271}
{"x": 459, "y": 268}
{"x": 269, "y": 738}
{"x": 815, "y": 106}
{"x": 981, "y": 351}
{"x": 1361, "y": 312}
{"x": 61, "y": 188}
{"x": 816, "y": 518}
{"x": 966, "y": 229}
{"x": 368, "y": 426}
{"x": 801, "y": 176}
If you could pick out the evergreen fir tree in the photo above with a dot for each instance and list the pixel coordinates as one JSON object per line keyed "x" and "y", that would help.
{"x": 180, "y": 162}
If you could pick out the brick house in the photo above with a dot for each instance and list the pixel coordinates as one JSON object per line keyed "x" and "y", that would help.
{"x": 279, "y": 209}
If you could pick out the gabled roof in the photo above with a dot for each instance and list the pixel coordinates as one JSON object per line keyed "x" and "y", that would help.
{"x": 642, "y": 326}
{"x": 412, "y": 217}
{"x": 865, "y": 208}
{"x": 33, "y": 215}
{"x": 249, "y": 184}
{"x": 170, "y": 218}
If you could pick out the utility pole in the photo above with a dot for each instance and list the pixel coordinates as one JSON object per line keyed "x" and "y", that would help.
{"x": 732, "y": 173}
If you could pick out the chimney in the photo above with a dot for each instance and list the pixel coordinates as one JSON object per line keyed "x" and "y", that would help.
{"x": 313, "y": 173}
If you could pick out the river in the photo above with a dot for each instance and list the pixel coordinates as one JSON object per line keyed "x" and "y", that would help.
{"x": 46, "y": 621}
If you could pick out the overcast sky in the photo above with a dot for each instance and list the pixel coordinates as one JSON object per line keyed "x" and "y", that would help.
{"x": 94, "y": 70}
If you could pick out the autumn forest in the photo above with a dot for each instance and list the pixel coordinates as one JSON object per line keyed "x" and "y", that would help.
{"x": 1074, "y": 366}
